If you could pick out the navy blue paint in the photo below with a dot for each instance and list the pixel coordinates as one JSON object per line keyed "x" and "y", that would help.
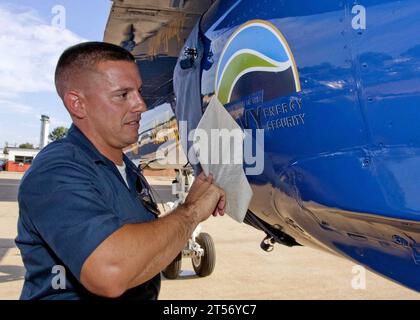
{"x": 350, "y": 176}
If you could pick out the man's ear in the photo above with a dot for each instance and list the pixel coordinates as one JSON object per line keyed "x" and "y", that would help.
{"x": 73, "y": 100}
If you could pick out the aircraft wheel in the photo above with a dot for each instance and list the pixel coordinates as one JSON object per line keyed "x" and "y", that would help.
{"x": 204, "y": 265}
{"x": 173, "y": 269}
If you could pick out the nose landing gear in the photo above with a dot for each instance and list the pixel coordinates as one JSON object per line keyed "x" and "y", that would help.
{"x": 202, "y": 252}
{"x": 200, "y": 247}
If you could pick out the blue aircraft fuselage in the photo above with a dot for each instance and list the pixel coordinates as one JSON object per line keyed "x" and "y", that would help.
{"x": 336, "y": 89}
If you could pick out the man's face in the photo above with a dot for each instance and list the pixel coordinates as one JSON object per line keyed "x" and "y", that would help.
{"x": 114, "y": 104}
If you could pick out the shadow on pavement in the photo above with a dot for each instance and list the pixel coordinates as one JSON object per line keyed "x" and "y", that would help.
{"x": 7, "y": 272}
{"x": 184, "y": 275}
{"x": 11, "y": 273}
{"x": 7, "y": 243}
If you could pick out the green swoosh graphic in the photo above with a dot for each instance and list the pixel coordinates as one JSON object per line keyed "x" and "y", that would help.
{"x": 235, "y": 67}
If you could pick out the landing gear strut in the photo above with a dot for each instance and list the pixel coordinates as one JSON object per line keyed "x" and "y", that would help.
{"x": 200, "y": 247}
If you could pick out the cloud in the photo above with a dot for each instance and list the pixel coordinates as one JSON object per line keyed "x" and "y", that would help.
{"x": 30, "y": 48}
{"x": 11, "y": 107}
{"x": 20, "y": 122}
{"x": 57, "y": 122}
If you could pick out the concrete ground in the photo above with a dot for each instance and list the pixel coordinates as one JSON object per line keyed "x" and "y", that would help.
{"x": 243, "y": 270}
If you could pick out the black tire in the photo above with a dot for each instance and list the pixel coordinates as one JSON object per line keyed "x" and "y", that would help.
{"x": 173, "y": 269}
{"x": 204, "y": 266}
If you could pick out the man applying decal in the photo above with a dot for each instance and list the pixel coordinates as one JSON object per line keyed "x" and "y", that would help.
{"x": 83, "y": 204}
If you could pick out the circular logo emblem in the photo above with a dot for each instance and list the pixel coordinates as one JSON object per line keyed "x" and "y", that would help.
{"x": 256, "y": 58}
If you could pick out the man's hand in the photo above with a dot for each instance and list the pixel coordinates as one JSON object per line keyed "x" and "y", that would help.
{"x": 206, "y": 197}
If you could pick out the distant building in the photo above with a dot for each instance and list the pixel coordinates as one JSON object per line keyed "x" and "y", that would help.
{"x": 19, "y": 159}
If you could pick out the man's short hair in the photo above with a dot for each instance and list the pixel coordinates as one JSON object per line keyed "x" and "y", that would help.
{"x": 84, "y": 57}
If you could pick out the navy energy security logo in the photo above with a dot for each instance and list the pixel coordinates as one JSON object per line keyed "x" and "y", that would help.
{"x": 256, "y": 57}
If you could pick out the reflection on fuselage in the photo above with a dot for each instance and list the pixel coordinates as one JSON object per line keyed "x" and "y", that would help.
{"x": 158, "y": 145}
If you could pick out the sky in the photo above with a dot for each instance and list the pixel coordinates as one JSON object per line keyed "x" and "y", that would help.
{"x": 33, "y": 34}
